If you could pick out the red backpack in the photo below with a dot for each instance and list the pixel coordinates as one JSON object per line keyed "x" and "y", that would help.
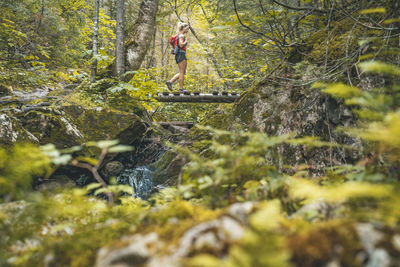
{"x": 173, "y": 41}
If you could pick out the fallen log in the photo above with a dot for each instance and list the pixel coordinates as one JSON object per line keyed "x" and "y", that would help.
{"x": 197, "y": 98}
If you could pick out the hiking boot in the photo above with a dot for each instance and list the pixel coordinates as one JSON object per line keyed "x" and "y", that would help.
{"x": 169, "y": 85}
{"x": 182, "y": 90}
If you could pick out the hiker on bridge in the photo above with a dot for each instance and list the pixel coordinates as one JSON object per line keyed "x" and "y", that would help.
{"x": 179, "y": 43}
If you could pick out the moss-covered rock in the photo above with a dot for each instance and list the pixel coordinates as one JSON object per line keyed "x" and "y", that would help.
{"x": 5, "y": 90}
{"x": 52, "y": 128}
{"x": 326, "y": 242}
{"x": 112, "y": 168}
{"x": 343, "y": 37}
{"x": 101, "y": 123}
{"x": 70, "y": 125}
{"x": 12, "y": 131}
{"x": 167, "y": 168}
{"x": 281, "y": 110}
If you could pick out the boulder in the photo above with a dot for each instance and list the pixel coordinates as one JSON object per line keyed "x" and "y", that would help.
{"x": 56, "y": 182}
{"x": 241, "y": 210}
{"x": 101, "y": 124}
{"x": 372, "y": 239}
{"x": 12, "y": 131}
{"x": 49, "y": 127}
{"x": 138, "y": 251}
{"x": 66, "y": 126}
{"x": 319, "y": 210}
{"x": 5, "y": 90}
{"x": 281, "y": 110}
{"x": 112, "y": 168}
{"x": 214, "y": 236}
{"x": 167, "y": 168}
{"x": 302, "y": 112}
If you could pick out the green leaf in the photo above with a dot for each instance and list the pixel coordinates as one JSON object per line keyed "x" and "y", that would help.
{"x": 48, "y": 147}
{"x": 120, "y": 149}
{"x": 380, "y": 67}
{"x": 92, "y": 186}
{"x": 50, "y": 150}
{"x": 62, "y": 160}
{"x": 373, "y": 10}
{"x": 107, "y": 143}
{"x": 267, "y": 217}
{"x": 91, "y": 161}
{"x": 342, "y": 90}
{"x": 100, "y": 191}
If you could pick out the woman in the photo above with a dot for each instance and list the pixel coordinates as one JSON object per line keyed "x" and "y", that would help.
{"x": 180, "y": 56}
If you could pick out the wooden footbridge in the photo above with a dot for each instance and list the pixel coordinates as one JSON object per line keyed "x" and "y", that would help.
{"x": 197, "y": 97}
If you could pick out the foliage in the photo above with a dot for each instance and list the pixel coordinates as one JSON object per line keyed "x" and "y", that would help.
{"x": 17, "y": 168}
{"x": 238, "y": 166}
{"x": 272, "y": 43}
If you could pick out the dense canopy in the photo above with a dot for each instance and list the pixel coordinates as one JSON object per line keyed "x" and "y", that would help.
{"x": 299, "y": 166}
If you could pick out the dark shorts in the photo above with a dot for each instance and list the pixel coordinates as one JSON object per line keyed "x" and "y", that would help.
{"x": 180, "y": 56}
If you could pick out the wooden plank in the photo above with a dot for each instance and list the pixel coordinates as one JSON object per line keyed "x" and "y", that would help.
{"x": 197, "y": 98}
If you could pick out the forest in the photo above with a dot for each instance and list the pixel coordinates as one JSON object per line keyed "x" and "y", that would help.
{"x": 278, "y": 144}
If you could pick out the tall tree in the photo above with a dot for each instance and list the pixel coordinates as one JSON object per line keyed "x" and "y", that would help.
{"x": 142, "y": 34}
{"x": 95, "y": 39}
{"x": 120, "y": 49}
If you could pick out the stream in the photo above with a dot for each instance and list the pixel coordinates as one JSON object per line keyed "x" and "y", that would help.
{"x": 138, "y": 173}
{"x": 141, "y": 180}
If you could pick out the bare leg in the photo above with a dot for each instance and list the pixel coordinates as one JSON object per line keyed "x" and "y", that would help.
{"x": 182, "y": 72}
{"x": 176, "y": 77}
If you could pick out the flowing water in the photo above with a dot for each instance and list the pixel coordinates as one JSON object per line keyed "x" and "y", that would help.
{"x": 141, "y": 180}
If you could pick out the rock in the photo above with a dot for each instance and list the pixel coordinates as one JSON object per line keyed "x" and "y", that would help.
{"x": 396, "y": 242}
{"x": 112, "y": 168}
{"x": 303, "y": 112}
{"x": 66, "y": 125}
{"x": 138, "y": 251}
{"x": 280, "y": 110}
{"x": 51, "y": 128}
{"x": 318, "y": 210}
{"x": 210, "y": 237}
{"x": 56, "y": 182}
{"x": 214, "y": 236}
{"x": 100, "y": 124}
{"x": 69, "y": 125}
{"x": 167, "y": 168}
{"x": 5, "y": 90}
{"x": 241, "y": 211}
{"x": 12, "y": 131}
{"x": 7, "y": 133}
{"x": 379, "y": 258}
{"x": 370, "y": 238}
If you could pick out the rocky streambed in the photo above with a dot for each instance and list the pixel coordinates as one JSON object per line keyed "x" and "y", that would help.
{"x": 40, "y": 117}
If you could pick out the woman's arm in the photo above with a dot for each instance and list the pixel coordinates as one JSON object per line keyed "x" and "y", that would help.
{"x": 182, "y": 42}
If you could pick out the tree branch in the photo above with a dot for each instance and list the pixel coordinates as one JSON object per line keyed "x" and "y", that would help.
{"x": 95, "y": 171}
{"x": 279, "y": 44}
{"x": 299, "y": 8}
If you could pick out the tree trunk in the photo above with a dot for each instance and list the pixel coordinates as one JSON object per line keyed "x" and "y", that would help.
{"x": 95, "y": 40}
{"x": 142, "y": 34}
{"x": 152, "y": 63}
{"x": 120, "y": 49}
